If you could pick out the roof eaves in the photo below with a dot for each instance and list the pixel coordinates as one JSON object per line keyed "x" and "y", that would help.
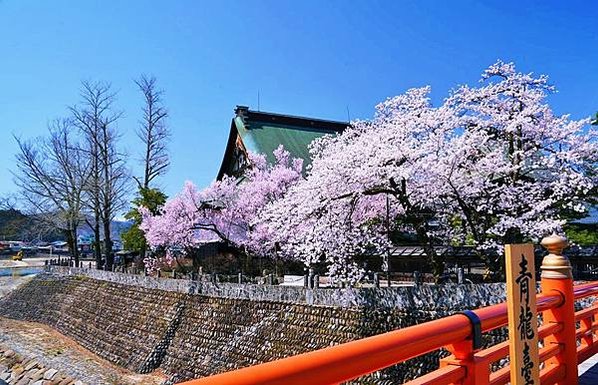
{"x": 229, "y": 150}
{"x": 248, "y": 115}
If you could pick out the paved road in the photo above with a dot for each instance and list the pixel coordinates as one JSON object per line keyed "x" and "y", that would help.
{"x": 34, "y": 261}
{"x": 12, "y": 278}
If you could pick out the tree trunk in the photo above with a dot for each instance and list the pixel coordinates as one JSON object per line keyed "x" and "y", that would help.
{"x": 108, "y": 246}
{"x": 71, "y": 235}
{"x": 76, "y": 252}
{"x": 436, "y": 261}
{"x": 76, "y": 247}
{"x": 414, "y": 217}
{"x": 69, "y": 241}
{"x": 97, "y": 248}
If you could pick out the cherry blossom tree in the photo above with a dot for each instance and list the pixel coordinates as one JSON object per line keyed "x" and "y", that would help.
{"x": 517, "y": 165}
{"x": 493, "y": 164}
{"x": 341, "y": 209}
{"x": 224, "y": 211}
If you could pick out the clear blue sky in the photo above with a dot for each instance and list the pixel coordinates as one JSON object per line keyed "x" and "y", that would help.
{"x": 311, "y": 58}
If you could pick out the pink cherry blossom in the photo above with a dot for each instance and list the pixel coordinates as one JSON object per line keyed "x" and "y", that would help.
{"x": 225, "y": 211}
{"x": 492, "y": 164}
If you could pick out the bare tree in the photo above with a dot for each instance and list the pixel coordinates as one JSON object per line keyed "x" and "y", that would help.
{"x": 114, "y": 187}
{"x": 107, "y": 186}
{"x": 51, "y": 173}
{"x": 152, "y": 131}
{"x": 7, "y": 202}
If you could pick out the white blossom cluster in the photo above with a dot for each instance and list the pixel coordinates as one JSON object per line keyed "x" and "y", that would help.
{"x": 493, "y": 164}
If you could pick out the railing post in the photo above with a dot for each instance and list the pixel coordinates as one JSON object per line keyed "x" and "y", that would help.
{"x": 463, "y": 354}
{"x": 586, "y": 325}
{"x": 417, "y": 278}
{"x": 557, "y": 277}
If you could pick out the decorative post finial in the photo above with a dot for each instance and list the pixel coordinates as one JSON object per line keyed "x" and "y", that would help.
{"x": 555, "y": 265}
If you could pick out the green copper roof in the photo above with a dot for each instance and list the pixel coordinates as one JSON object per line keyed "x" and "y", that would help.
{"x": 262, "y": 132}
{"x": 265, "y": 137}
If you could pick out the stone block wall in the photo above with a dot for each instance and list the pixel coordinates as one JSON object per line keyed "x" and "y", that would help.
{"x": 220, "y": 334}
{"x": 18, "y": 370}
{"x": 123, "y": 324}
{"x": 191, "y": 329}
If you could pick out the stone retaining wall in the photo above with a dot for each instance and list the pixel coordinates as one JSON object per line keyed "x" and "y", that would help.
{"x": 192, "y": 330}
{"x": 426, "y": 297}
{"x": 123, "y": 324}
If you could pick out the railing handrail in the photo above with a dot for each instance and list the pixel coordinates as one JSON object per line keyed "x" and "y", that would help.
{"x": 585, "y": 290}
{"x": 353, "y": 359}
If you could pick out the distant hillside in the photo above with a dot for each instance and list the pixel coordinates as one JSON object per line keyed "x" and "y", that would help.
{"x": 117, "y": 227}
{"x": 13, "y": 224}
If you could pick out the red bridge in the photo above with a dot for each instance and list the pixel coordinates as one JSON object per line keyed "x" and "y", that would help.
{"x": 568, "y": 339}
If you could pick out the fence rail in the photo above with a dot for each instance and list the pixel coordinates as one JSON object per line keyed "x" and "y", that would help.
{"x": 564, "y": 347}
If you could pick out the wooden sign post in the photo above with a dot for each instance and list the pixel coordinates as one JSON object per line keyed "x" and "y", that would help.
{"x": 523, "y": 317}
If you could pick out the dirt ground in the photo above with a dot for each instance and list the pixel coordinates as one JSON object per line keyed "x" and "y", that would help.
{"x": 60, "y": 352}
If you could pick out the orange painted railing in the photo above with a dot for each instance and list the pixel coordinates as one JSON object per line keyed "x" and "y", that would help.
{"x": 560, "y": 353}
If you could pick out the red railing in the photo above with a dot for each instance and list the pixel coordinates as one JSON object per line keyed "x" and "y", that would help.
{"x": 560, "y": 353}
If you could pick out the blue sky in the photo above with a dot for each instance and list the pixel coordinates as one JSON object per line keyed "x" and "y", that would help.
{"x": 312, "y": 58}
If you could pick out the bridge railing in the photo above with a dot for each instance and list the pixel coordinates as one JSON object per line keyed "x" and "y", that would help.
{"x": 568, "y": 338}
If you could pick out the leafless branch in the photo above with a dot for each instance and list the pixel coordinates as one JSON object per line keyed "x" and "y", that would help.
{"x": 51, "y": 173}
{"x": 107, "y": 186}
{"x": 153, "y": 131}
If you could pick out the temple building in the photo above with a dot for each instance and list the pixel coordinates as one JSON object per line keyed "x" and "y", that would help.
{"x": 262, "y": 132}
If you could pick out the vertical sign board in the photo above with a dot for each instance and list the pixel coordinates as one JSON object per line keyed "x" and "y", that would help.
{"x": 523, "y": 320}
